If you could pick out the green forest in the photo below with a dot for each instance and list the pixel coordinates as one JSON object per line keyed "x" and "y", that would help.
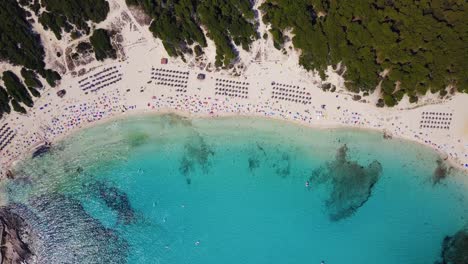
{"x": 403, "y": 47}
{"x": 100, "y": 40}
{"x": 21, "y": 46}
{"x": 18, "y": 43}
{"x": 72, "y": 15}
{"x": 423, "y": 44}
{"x": 179, "y": 23}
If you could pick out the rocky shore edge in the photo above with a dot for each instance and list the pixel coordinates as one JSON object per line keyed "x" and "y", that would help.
{"x": 15, "y": 238}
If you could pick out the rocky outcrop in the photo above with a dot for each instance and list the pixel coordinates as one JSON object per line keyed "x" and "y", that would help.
{"x": 441, "y": 172}
{"x": 455, "y": 248}
{"x": 116, "y": 200}
{"x": 350, "y": 184}
{"x": 14, "y": 235}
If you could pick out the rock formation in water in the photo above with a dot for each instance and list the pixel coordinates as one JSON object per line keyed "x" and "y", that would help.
{"x": 254, "y": 163}
{"x": 137, "y": 139}
{"x": 197, "y": 152}
{"x": 350, "y": 184}
{"x": 441, "y": 171}
{"x": 41, "y": 151}
{"x": 387, "y": 135}
{"x": 176, "y": 120}
{"x": 57, "y": 229}
{"x": 455, "y": 248}
{"x": 283, "y": 165}
{"x": 116, "y": 200}
{"x": 69, "y": 234}
{"x": 14, "y": 238}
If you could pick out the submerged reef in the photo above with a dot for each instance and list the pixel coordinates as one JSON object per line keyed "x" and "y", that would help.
{"x": 57, "y": 229}
{"x": 254, "y": 161}
{"x": 197, "y": 153}
{"x": 277, "y": 158}
{"x": 350, "y": 184}
{"x": 75, "y": 236}
{"x": 41, "y": 151}
{"x": 137, "y": 139}
{"x": 441, "y": 172}
{"x": 114, "y": 199}
{"x": 455, "y": 248}
{"x": 177, "y": 120}
{"x": 283, "y": 165}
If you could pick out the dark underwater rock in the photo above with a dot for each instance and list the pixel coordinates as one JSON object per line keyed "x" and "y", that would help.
{"x": 254, "y": 163}
{"x": 56, "y": 229}
{"x": 116, "y": 200}
{"x": 68, "y": 234}
{"x": 177, "y": 120}
{"x": 41, "y": 151}
{"x": 137, "y": 139}
{"x": 441, "y": 172}
{"x": 197, "y": 153}
{"x": 186, "y": 166}
{"x": 283, "y": 165}
{"x": 351, "y": 184}
{"x": 455, "y": 248}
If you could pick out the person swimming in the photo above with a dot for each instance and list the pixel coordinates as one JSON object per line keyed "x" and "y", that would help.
{"x": 307, "y": 184}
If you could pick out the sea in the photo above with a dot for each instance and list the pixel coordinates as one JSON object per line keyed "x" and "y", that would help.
{"x": 178, "y": 190}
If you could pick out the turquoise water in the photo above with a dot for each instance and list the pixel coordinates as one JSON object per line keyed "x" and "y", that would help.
{"x": 167, "y": 189}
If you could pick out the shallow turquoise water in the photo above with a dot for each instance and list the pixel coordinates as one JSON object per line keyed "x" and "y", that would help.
{"x": 166, "y": 189}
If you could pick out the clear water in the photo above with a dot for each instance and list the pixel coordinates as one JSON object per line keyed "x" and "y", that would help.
{"x": 166, "y": 189}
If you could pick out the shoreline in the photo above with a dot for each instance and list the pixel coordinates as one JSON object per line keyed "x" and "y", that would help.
{"x": 188, "y": 114}
{"x": 265, "y": 83}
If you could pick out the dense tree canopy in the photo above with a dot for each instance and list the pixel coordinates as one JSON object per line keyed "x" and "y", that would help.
{"x": 16, "y": 89}
{"x": 100, "y": 40}
{"x": 72, "y": 14}
{"x": 19, "y": 45}
{"x": 30, "y": 78}
{"x": 178, "y": 23}
{"x": 422, "y": 44}
{"x": 4, "y": 102}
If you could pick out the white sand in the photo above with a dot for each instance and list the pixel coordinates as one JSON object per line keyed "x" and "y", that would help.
{"x": 53, "y": 118}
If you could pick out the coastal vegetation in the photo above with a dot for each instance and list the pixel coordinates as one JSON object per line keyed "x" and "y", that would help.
{"x": 181, "y": 24}
{"x": 72, "y": 15}
{"x": 17, "y": 93}
{"x": 20, "y": 45}
{"x": 101, "y": 43}
{"x": 403, "y": 47}
{"x": 374, "y": 44}
{"x": 30, "y": 78}
{"x": 16, "y": 88}
{"x": 4, "y": 102}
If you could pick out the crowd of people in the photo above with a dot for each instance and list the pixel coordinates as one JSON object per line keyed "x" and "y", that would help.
{"x": 77, "y": 112}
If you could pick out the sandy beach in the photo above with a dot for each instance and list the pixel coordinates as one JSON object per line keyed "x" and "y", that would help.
{"x": 264, "y": 83}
